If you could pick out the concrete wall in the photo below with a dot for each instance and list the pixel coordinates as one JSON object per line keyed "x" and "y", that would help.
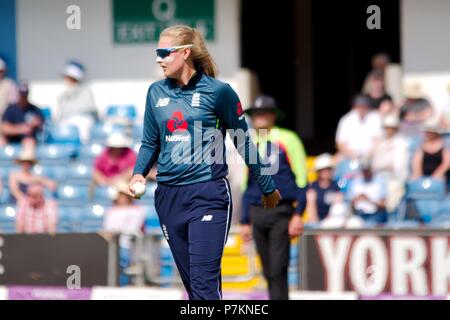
{"x": 45, "y": 44}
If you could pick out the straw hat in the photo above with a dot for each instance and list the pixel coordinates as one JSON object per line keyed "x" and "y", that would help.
{"x": 432, "y": 125}
{"x": 413, "y": 90}
{"x": 26, "y": 156}
{"x": 323, "y": 161}
{"x": 118, "y": 140}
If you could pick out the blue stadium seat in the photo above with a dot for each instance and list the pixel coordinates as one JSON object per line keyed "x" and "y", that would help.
{"x": 56, "y": 154}
{"x": 92, "y": 218}
{"x": 101, "y": 131}
{"x": 137, "y": 132}
{"x": 5, "y": 196}
{"x": 7, "y": 219}
{"x": 69, "y": 218}
{"x": 8, "y": 153}
{"x": 79, "y": 173}
{"x": 89, "y": 152}
{"x": 151, "y": 219}
{"x": 69, "y": 194}
{"x": 425, "y": 189}
{"x": 104, "y": 194}
{"x": 128, "y": 112}
{"x": 45, "y": 171}
{"x": 64, "y": 134}
{"x": 47, "y": 113}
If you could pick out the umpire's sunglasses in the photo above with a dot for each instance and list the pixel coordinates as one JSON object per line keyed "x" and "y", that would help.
{"x": 165, "y": 52}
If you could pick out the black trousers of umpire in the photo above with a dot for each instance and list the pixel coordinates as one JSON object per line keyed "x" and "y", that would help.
{"x": 270, "y": 232}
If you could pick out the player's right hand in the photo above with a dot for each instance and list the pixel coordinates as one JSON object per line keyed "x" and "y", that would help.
{"x": 134, "y": 179}
{"x": 246, "y": 232}
{"x": 271, "y": 200}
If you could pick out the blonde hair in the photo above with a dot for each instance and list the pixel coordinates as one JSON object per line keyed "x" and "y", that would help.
{"x": 183, "y": 35}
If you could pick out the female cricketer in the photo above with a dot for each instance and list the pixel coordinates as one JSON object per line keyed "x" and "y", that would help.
{"x": 193, "y": 198}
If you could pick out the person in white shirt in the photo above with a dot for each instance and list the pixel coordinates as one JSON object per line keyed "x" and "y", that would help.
{"x": 358, "y": 130}
{"x": 368, "y": 195}
{"x": 391, "y": 159}
{"x": 76, "y": 104}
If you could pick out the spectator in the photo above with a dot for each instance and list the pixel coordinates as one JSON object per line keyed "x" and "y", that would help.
{"x": 379, "y": 64}
{"x": 391, "y": 159}
{"x": 35, "y": 214}
{"x": 76, "y": 105}
{"x": 380, "y": 100}
{"x": 125, "y": 216}
{"x": 363, "y": 121}
{"x": 432, "y": 159}
{"x": 324, "y": 192}
{"x": 22, "y": 121}
{"x": 273, "y": 228}
{"x": 115, "y": 162}
{"x": 8, "y": 90}
{"x": 19, "y": 181}
{"x": 416, "y": 108}
{"x": 128, "y": 219}
{"x": 368, "y": 195}
{"x": 445, "y": 115}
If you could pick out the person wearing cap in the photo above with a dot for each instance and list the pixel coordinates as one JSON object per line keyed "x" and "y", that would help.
{"x": 358, "y": 130}
{"x": 324, "y": 192}
{"x": 8, "y": 89}
{"x": 128, "y": 219}
{"x": 35, "y": 213}
{"x": 116, "y": 161}
{"x": 379, "y": 63}
{"x": 432, "y": 159}
{"x": 22, "y": 121}
{"x": 76, "y": 104}
{"x": 20, "y": 180}
{"x": 391, "y": 158}
{"x": 368, "y": 195}
{"x": 272, "y": 229}
{"x": 416, "y": 108}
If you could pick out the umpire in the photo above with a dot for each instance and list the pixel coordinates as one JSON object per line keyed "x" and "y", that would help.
{"x": 274, "y": 228}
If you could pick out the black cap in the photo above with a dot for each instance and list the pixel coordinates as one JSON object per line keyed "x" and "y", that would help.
{"x": 264, "y": 103}
{"x": 23, "y": 89}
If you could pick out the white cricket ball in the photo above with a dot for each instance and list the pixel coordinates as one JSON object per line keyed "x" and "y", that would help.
{"x": 139, "y": 189}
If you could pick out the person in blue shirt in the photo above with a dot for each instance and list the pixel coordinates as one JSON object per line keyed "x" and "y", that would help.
{"x": 186, "y": 118}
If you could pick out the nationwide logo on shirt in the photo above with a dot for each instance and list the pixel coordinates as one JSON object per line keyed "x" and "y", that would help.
{"x": 179, "y": 124}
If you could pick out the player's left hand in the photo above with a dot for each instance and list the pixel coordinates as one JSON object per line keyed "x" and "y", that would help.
{"x": 271, "y": 200}
{"x": 295, "y": 226}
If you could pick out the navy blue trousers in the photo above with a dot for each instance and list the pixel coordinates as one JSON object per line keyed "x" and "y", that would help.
{"x": 195, "y": 220}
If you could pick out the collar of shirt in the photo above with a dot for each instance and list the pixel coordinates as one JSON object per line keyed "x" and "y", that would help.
{"x": 192, "y": 82}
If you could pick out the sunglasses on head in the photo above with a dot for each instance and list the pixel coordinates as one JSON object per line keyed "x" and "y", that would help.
{"x": 165, "y": 52}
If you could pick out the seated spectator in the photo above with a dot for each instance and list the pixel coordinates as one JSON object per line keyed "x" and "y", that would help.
{"x": 432, "y": 159}
{"x": 391, "y": 159}
{"x": 324, "y": 192}
{"x": 76, "y": 105}
{"x": 416, "y": 108}
{"x": 368, "y": 195}
{"x": 125, "y": 216}
{"x": 22, "y": 121}
{"x": 116, "y": 162}
{"x": 358, "y": 130}
{"x": 128, "y": 219}
{"x": 380, "y": 100}
{"x": 8, "y": 90}
{"x": 19, "y": 181}
{"x": 445, "y": 115}
{"x": 35, "y": 214}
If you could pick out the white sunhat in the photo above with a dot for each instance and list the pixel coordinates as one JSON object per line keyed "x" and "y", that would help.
{"x": 323, "y": 161}
{"x": 391, "y": 121}
{"x": 2, "y": 64}
{"x": 432, "y": 125}
{"x": 74, "y": 71}
{"x": 118, "y": 140}
{"x": 413, "y": 90}
{"x": 26, "y": 155}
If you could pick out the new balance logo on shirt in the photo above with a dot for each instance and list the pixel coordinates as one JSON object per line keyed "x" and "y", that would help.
{"x": 162, "y": 102}
{"x": 195, "y": 100}
{"x": 207, "y": 218}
